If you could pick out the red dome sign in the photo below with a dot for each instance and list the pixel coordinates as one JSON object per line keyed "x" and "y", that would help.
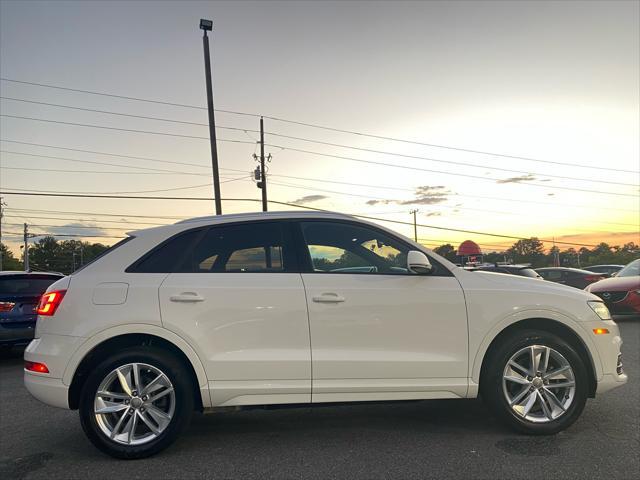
{"x": 468, "y": 248}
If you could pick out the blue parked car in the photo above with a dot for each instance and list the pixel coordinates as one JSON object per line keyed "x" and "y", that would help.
{"x": 20, "y": 293}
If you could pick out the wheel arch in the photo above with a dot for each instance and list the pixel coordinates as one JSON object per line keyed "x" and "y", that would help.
{"x": 554, "y": 326}
{"x": 100, "y": 345}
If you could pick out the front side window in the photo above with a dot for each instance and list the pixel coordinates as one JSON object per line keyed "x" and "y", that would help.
{"x": 344, "y": 248}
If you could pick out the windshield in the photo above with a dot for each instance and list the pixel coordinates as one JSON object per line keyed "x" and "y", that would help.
{"x": 529, "y": 272}
{"x": 631, "y": 270}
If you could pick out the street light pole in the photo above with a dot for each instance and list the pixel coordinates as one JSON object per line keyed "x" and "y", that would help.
{"x": 207, "y": 25}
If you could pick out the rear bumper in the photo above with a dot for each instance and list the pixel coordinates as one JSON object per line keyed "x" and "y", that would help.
{"x": 48, "y": 390}
{"x": 17, "y": 335}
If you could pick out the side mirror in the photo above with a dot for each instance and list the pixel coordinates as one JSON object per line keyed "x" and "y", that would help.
{"x": 418, "y": 263}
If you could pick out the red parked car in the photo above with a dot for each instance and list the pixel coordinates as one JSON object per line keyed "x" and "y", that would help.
{"x": 621, "y": 293}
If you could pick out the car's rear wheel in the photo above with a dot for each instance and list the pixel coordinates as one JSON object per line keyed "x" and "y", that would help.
{"x": 136, "y": 402}
{"x": 536, "y": 382}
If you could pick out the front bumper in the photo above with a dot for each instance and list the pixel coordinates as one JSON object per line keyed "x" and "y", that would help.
{"x": 608, "y": 349}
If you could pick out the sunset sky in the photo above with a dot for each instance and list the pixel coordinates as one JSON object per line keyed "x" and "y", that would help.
{"x": 551, "y": 86}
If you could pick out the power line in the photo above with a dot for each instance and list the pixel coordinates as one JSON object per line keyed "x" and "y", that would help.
{"x": 130, "y": 130}
{"x": 300, "y": 178}
{"x": 103, "y": 163}
{"x": 129, "y": 197}
{"x": 351, "y": 132}
{"x": 98, "y": 214}
{"x": 58, "y": 170}
{"x": 451, "y": 162}
{"x": 136, "y": 191}
{"x": 104, "y": 94}
{"x": 475, "y": 177}
{"x": 87, "y": 220}
{"x": 447, "y": 147}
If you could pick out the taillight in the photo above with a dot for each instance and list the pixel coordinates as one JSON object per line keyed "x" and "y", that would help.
{"x": 6, "y": 306}
{"x": 49, "y": 302}
{"x": 36, "y": 367}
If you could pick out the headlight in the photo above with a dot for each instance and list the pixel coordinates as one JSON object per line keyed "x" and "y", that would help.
{"x": 601, "y": 310}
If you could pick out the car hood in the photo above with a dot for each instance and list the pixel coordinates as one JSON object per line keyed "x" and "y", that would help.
{"x": 518, "y": 283}
{"x": 615, "y": 284}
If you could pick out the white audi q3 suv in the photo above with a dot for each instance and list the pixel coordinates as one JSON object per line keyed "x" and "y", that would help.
{"x": 292, "y": 308}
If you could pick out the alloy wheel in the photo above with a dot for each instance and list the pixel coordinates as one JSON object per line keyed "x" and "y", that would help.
{"x": 134, "y": 404}
{"x": 538, "y": 384}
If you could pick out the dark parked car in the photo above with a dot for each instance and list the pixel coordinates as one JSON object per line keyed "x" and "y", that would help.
{"x": 622, "y": 292}
{"x": 20, "y": 293}
{"x": 608, "y": 270}
{"x": 522, "y": 270}
{"x": 574, "y": 277}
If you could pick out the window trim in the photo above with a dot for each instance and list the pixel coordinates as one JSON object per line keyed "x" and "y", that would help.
{"x": 289, "y": 255}
{"x": 306, "y": 264}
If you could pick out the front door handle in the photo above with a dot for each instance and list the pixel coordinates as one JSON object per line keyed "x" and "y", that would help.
{"x": 186, "y": 297}
{"x": 328, "y": 298}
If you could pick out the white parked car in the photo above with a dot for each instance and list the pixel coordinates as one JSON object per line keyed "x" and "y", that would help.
{"x": 291, "y": 308}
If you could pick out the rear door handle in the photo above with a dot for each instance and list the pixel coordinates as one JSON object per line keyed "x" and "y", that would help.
{"x": 186, "y": 297}
{"x": 328, "y": 298}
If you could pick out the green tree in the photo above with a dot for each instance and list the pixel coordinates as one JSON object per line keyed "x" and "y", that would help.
{"x": 447, "y": 251}
{"x": 9, "y": 261}
{"x": 529, "y": 250}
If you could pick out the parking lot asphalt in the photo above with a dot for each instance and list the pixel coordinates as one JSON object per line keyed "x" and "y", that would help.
{"x": 426, "y": 439}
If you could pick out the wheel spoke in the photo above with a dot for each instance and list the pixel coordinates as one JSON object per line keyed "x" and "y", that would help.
{"x": 155, "y": 397}
{"x": 533, "y": 360}
{"x": 111, "y": 407}
{"x": 545, "y": 407}
{"x": 118, "y": 426}
{"x": 516, "y": 366}
{"x": 161, "y": 418}
{"x": 520, "y": 380}
{"x": 568, "y": 383}
{"x": 118, "y": 396}
{"x": 126, "y": 431}
{"x": 149, "y": 423}
{"x": 136, "y": 377}
{"x": 520, "y": 396}
{"x": 531, "y": 400}
{"x": 549, "y": 395}
{"x": 153, "y": 385}
{"x": 134, "y": 422}
{"x": 558, "y": 371}
{"x": 124, "y": 384}
{"x": 545, "y": 363}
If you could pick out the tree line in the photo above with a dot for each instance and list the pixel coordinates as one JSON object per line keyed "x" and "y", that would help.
{"x": 532, "y": 251}
{"x": 51, "y": 255}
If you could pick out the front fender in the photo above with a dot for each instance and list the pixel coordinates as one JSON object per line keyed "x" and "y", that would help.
{"x": 531, "y": 314}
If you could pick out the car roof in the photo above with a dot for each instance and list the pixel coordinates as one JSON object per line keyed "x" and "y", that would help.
{"x": 244, "y": 217}
{"x": 6, "y": 273}
{"x": 262, "y": 215}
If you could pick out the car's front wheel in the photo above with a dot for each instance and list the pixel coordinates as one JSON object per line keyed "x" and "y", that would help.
{"x": 136, "y": 402}
{"x": 536, "y": 382}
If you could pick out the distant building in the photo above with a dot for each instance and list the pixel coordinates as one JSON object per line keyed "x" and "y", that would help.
{"x": 469, "y": 253}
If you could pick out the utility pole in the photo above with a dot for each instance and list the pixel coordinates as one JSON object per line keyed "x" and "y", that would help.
{"x": 26, "y": 247}
{"x": 2, "y": 204}
{"x": 207, "y": 25}
{"x": 263, "y": 179}
{"x": 415, "y": 224}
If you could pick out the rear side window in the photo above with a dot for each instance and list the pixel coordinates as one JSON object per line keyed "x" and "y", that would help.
{"x": 169, "y": 256}
{"x": 258, "y": 247}
{"x": 253, "y": 247}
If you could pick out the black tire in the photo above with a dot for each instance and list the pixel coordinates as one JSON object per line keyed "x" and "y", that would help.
{"x": 184, "y": 401}
{"x": 492, "y": 387}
